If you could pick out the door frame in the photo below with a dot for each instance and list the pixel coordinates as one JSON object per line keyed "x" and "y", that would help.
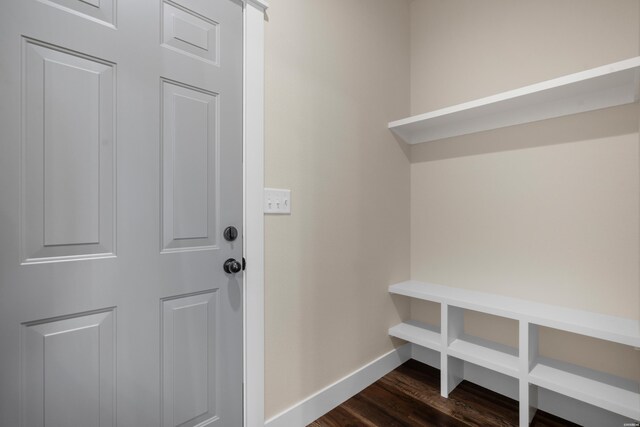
{"x": 253, "y": 165}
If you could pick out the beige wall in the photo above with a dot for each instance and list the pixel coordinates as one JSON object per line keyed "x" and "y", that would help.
{"x": 547, "y": 211}
{"x": 336, "y": 72}
{"x": 466, "y": 49}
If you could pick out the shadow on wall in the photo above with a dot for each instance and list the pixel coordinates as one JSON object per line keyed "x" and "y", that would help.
{"x": 406, "y": 148}
{"x": 597, "y": 124}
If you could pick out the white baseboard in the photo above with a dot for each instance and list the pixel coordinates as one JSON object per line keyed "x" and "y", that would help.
{"x": 318, "y": 404}
{"x": 333, "y": 395}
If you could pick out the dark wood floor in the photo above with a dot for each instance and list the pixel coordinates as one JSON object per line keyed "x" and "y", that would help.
{"x": 410, "y": 396}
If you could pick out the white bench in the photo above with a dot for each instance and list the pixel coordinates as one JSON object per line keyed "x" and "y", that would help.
{"x": 612, "y": 393}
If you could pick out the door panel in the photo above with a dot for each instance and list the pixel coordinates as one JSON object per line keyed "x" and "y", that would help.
{"x": 189, "y": 363}
{"x": 69, "y": 363}
{"x": 68, "y": 158}
{"x": 189, "y": 170}
{"x": 120, "y": 165}
{"x": 99, "y": 10}
{"x": 190, "y": 33}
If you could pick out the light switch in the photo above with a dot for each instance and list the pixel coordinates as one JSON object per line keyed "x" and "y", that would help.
{"x": 277, "y": 201}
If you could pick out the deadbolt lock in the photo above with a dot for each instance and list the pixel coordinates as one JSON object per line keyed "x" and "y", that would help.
{"x": 230, "y": 233}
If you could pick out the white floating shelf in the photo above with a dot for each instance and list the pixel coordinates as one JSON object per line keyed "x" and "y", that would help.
{"x": 418, "y": 333}
{"x": 490, "y": 355}
{"x": 610, "y": 328}
{"x": 596, "y": 388}
{"x": 606, "y": 86}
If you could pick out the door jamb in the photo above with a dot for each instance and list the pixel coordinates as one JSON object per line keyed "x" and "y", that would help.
{"x": 253, "y": 164}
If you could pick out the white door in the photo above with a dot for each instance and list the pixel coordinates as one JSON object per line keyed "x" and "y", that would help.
{"x": 120, "y": 168}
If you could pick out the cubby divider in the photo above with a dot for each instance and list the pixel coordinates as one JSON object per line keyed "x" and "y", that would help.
{"x": 528, "y": 340}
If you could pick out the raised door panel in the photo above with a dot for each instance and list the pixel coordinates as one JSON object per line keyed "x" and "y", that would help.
{"x": 68, "y": 371}
{"x": 102, "y": 11}
{"x": 71, "y": 187}
{"x": 189, "y": 363}
{"x": 205, "y": 9}
{"x": 67, "y": 188}
{"x": 189, "y": 168}
{"x": 188, "y": 32}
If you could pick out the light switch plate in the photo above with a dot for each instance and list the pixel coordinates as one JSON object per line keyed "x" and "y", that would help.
{"x": 277, "y": 201}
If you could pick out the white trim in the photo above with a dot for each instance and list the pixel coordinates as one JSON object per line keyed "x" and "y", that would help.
{"x": 253, "y": 144}
{"x": 318, "y": 404}
{"x": 260, "y": 4}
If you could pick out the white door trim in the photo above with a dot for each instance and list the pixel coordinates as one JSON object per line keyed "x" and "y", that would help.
{"x": 253, "y": 107}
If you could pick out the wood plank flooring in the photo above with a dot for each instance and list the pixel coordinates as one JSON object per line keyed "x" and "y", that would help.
{"x": 410, "y": 396}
